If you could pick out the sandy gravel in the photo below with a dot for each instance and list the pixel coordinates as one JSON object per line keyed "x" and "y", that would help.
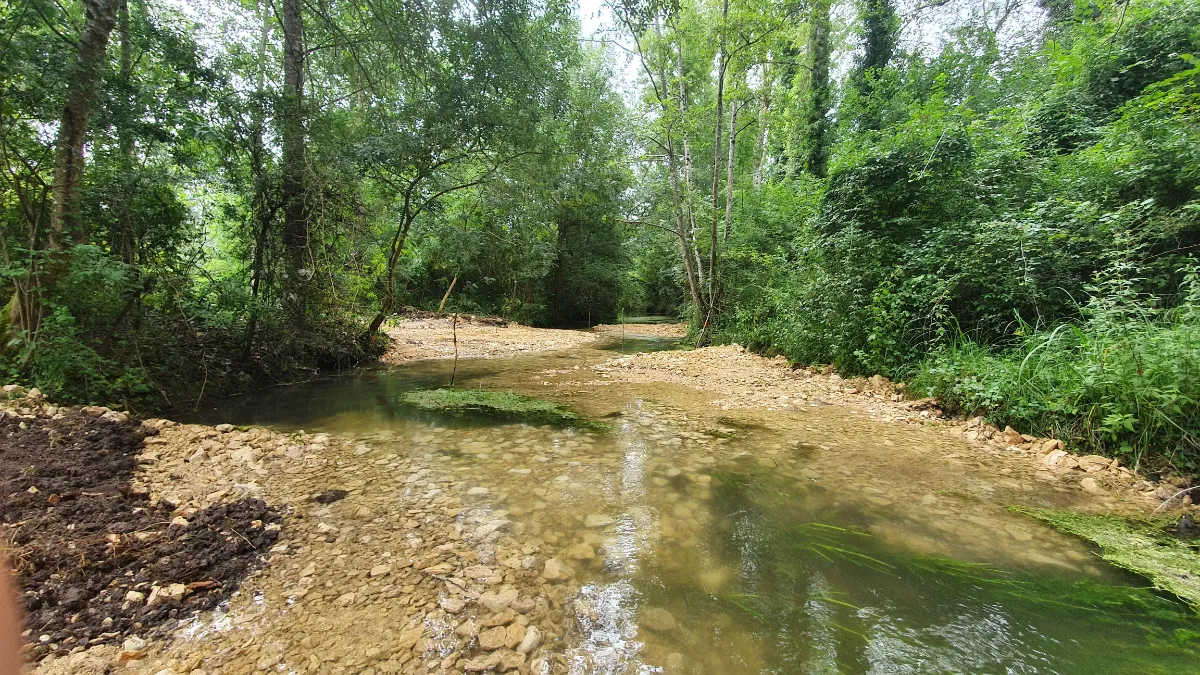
{"x": 413, "y": 339}
{"x": 675, "y": 330}
{"x": 747, "y": 381}
{"x": 433, "y": 338}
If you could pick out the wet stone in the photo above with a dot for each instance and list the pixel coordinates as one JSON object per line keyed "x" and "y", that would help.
{"x": 492, "y": 639}
{"x": 657, "y": 619}
{"x": 502, "y": 618}
{"x": 597, "y": 520}
{"x": 531, "y": 641}
{"x": 330, "y": 496}
{"x": 556, "y": 570}
{"x": 581, "y": 552}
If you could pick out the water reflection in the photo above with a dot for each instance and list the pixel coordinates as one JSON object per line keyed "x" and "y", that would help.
{"x": 737, "y": 545}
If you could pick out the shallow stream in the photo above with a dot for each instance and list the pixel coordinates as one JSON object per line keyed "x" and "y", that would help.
{"x": 722, "y": 542}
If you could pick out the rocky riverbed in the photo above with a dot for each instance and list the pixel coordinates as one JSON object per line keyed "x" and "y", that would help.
{"x": 415, "y": 545}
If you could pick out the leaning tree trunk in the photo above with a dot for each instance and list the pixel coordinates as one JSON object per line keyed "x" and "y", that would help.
{"x": 26, "y": 309}
{"x": 291, "y": 131}
{"x": 388, "y": 302}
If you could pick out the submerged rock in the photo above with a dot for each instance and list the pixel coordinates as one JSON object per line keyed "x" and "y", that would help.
{"x": 657, "y": 619}
{"x": 556, "y": 570}
{"x": 597, "y": 520}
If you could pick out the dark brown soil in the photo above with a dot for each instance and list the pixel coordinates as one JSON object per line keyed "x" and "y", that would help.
{"x": 80, "y": 539}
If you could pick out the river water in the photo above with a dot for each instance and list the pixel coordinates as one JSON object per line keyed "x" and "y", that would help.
{"x": 723, "y": 542}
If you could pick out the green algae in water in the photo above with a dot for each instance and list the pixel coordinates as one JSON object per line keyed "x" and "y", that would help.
{"x": 497, "y": 404}
{"x": 1138, "y": 546}
{"x": 820, "y": 593}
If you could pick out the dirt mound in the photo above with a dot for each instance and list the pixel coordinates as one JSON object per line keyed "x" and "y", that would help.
{"x": 95, "y": 560}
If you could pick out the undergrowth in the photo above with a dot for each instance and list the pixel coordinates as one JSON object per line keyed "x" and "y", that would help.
{"x": 1125, "y": 380}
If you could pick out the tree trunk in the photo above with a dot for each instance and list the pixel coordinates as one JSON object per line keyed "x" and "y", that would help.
{"x": 124, "y": 243}
{"x": 731, "y": 161}
{"x": 295, "y": 228}
{"x": 689, "y": 208}
{"x": 26, "y": 308}
{"x": 262, "y": 210}
{"x": 816, "y": 142}
{"x": 445, "y": 297}
{"x": 714, "y": 244}
{"x": 760, "y": 150}
{"x": 388, "y": 302}
{"x": 77, "y": 111}
{"x": 681, "y": 228}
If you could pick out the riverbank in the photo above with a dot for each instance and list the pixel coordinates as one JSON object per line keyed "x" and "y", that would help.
{"x": 439, "y": 549}
{"x": 746, "y": 381}
{"x": 440, "y": 337}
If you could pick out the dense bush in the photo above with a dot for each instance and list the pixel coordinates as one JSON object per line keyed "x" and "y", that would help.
{"x": 1125, "y": 379}
{"x": 1018, "y": 243}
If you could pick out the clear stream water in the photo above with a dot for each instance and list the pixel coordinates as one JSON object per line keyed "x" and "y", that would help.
{"x": 815, "y": 541}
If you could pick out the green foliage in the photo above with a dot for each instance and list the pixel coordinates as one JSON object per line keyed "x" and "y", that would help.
{"x": 1010, "y": 225}
{"x": 1123, "y": 380}
{"x": 490, "y": 137}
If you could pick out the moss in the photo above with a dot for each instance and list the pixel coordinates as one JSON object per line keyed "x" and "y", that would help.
{"x": 1139, "y": 546}
{"x": 497, "y": 404}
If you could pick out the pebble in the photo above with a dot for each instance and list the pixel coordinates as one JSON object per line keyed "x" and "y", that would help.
{"x": 501, "y": 618}
{"x": 492, "y": 638}
{"x": 477, "y": 491}
{"x": 514, "y": 635}
{"x": 533, "y": 638}
{"x": 452, "y": 605}
{"x": 1090, "y": 486}
{"x": 556, "y": 570}
{"x": 495, "y": 602}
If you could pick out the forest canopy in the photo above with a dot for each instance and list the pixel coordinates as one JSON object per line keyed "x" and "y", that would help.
{"x": 203, "y": 197}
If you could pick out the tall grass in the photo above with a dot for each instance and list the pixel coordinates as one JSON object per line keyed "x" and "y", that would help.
{"x": 1124, "y": 381}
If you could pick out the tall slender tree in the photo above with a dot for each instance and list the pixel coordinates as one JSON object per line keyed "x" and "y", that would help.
{"x": 27, "y": 306}
{"x": 815, "y": 142}
{"x": 880, "y": 28}
{"x": 294, "y": 146}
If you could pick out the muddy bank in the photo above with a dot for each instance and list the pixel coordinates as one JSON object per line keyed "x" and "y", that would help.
{"x": 97, "y": 561}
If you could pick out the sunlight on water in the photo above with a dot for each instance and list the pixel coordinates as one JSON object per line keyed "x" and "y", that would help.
{"x": 754, "y": 544}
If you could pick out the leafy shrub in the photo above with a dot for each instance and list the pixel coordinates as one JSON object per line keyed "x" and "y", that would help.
{"x": 1125, "y": 380}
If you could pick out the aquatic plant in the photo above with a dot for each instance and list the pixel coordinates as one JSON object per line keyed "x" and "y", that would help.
{"x": 1138, "y": 546}
{"x": 497, "y": 404}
